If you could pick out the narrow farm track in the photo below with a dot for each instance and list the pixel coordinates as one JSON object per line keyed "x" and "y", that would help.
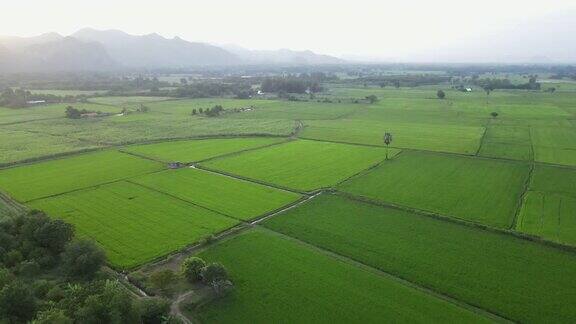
{"x": 480, "y": 311}
{"x": 175, "y": 307}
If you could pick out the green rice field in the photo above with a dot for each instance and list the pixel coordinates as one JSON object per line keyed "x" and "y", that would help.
{"x": 296, "y": 283}
{"x": 478, "y": 190}
{"x": 133, "y": 224}
{"x": 494, "y": 271}
{"x": 39, "y": 180}
{"x": 236, "y": 198}
{"x": 198, "y": 150}
{"x": 303, "y": 165}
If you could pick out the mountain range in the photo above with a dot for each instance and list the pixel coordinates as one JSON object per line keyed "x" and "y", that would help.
{"x": 96, "y": 50}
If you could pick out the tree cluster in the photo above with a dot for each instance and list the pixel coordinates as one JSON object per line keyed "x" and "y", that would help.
{"x": 290, "y": 85}
{"x": 213, "y": 274}
{"x": 492, "y": 84}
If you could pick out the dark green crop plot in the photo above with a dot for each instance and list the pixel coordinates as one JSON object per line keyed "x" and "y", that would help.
{"x": 480, "y": 190}
{"x": 518, "y": 279}
{"x": 280, "y": 281}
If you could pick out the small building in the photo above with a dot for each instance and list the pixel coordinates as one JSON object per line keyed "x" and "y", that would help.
{"x": 175, "y": 165}
{"x": 468, "y": 89}
{"x": 36, "y": 102}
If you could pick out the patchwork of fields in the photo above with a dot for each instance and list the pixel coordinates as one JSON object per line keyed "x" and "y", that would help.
{"x": 296, "y": 282}
{"x": 478, "y": 190}
{"x": 494, "y": 271}
{"x": 462, "y": 223}
{"x": 302, "y": 165}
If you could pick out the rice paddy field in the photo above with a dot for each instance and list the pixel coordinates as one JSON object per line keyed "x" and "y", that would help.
{"x": 295, "y": 282}
{"x": 233, "y": 197}
{"x": 53, "y": 177}
{"x": 549, "y": 205}
{"x": 302, "y": 165}
{"x": 132, "y": 223}
{"x": 470, "y": 219}
{"x": 491, "y": 270}
{"x": 198, "y": 150}
{"x": 478, "y": 190}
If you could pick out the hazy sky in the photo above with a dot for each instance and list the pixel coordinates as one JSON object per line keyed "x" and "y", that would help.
{"x": 363, "y": 27}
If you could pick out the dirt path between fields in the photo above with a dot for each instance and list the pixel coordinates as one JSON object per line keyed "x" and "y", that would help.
{"x": 175, "y": 307}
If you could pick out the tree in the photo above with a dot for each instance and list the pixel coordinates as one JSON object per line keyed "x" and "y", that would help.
{"x": 52, "y": 316}
{"x": 192, "y": 268}
{"x": 17, "y": 302}
{"x": 387, "y": 141}
{"x": 194, "y": 111}
{"x": 440, "y": 94}
{"x": 82, "y": 259}
{"x": 371, "y": 99}
{"x": 382, "y": 84}
{"x": 153, "y": 310}
{"x": 53, "y": 234}
{"x": 216, "y": 276}
{"x": 73, "y": 113}
{"x": 494, "y": 114}
{"x": 162, "y": 279}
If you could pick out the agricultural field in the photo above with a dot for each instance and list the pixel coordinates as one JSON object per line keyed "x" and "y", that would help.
{"x": 122, "y": 101}
{"x": 296, "y": 283}
{"x": 53, "y": 177}
{"x": 549, "y": 205}
{"x": 142, "y": 127}
{"x": 17, "y": 146}
{"x": 236, "y": 198}
{"x": 493, "y": 271}
{"x": 507, "y": 142}
{"x": 302, "y": 164}
{"x": 555, "y": 145}
{"x": 133, "y": 224}
{"x": 20, "y": 115}
{"x": 60, "y": 92}
{"x": 479, "y": 190}
{"x": 444, "y": 138}
{"x": 198, "y": 150}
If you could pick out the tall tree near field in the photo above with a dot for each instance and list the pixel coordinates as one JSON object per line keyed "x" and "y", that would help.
{"x": 387, "y": 141}
{"x": 441, "y": 94}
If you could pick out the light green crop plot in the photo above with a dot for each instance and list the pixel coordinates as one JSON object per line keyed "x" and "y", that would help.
{"x": 133, "y": 224}
{"x": 236, "y": 198}
{"x": 445, "y": 138}
{"x": 197, "y": 150}
{"x": 479, "y": 190}
{"x": 19, "y": 146}
{"x": 18, "y": 115}
{"x": 121, "y": 101}
{"x": 62, "y": 175}
{"x": 304, "y": 165}
{"x": 496, "y": 272}
{"x": 280, "y": 281}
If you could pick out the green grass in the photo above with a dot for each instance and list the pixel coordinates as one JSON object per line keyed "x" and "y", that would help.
{"x": 518, "y": 279}
{"x": 236, "y": 198}
{"x": 280, "y": 281}
{"x": 478, "y": 190}
{"x": 302, "y": 164}
{"x": 52, "y": 177}
{"x": 445, "y": 138}
{"x": 197, "y": 150}
{"x": 549, "y": 205}
{"x": 133, "y": 224}
{"x": 58, "y": 92}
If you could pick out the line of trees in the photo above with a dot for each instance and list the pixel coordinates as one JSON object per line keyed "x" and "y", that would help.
{"x": 290, "y": 85}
